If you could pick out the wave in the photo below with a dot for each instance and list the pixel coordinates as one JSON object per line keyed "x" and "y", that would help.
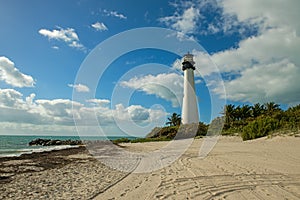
{"x": 19, "y": 152}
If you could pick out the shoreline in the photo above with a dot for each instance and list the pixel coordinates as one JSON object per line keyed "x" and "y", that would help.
{"x": 244, "y": 167}
{"x": 58, "y": 174}
{"x": 11, "y": 165}
{"x": 37, "y": 149}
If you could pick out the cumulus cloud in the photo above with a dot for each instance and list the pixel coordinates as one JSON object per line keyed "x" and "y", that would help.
{"x": 114, "y": 14}
{"x": 271, "y": 46}
{"x": 12, "y": 76}
{"x": 10, "y": 98}
{"x": 100, "y": 102}
{"x": 80, "y": 87}
{"x": 272, "y": 49}
{"x": 194, "y": 18}
{"x": 185, "y": 22}
{"x": 264, "y": 66}
{"x": 15, "y": 108}
{"x": 270, "y": 42}
{"x": 99, "y": 26}
{"x": 67, "y": 35}
{"x": 263, "y": 83}
{"x": 136, "y": 113}
{"x": 267, "y": 14}
{"x": 167, "y": 86}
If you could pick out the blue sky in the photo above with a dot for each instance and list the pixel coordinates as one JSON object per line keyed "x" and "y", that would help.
{"x": 253, "y": 45}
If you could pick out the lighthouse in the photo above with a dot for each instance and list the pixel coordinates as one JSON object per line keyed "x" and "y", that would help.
{"x": 189, "y": 113}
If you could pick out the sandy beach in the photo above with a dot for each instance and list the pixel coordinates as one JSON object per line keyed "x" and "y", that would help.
{"x": 62, "y": 174}
{"x": 266, "y": 168}
{"x": 258, "y": 169}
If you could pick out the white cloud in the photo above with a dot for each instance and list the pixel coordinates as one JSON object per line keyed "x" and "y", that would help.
{"x": 264, "y": 67}
{"x": 99, "y": 26}
{"x": 198, "y": 81}
{"x": 12, "y": 76}
{"x": 194, "y": 17}
{"x": 166, "y": 86}
{"x": 185, "y": 22}
{"x": 267, "y": 13}
{"x": 79, "y": 87}
{"x": 134, "y": 112}
{"x": 10, "y": 98}
{"x": 100, "y": 102}
{"x": 114, "y": 14}
{"x": 17, "y": 111}
{"x": 75, "y": 44}
{"x": 67, "y": 35}
{"x": 270, "y": 44}
{"x": 262, "y": 83}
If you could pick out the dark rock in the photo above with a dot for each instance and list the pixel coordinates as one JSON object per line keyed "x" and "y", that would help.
{"x": 39, "y": 141}
{"x": 48, "y": 142}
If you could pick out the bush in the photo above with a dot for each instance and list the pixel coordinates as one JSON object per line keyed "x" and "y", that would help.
{"x": 121, "y": 140}
{"x": 259, "y": 128}
{"x": 141, "y": 140}
{"x": 202, "y": 129}
{"x": 168, "y": 131}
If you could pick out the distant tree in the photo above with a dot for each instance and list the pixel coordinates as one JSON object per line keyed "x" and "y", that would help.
{"x": 245, "y": 112}
{"x": 271, "y": 108}
{"x": 229, "y": 112}
{"x": 174, "y": 120}
{"x": 202, "y": 129}
{"x": 292, "y": 117}
{"x": 257, "y": 110}
{"x": 237, "y": 113}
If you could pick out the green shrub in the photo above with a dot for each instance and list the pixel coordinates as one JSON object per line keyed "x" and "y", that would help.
{"x": 141, "y": 140}
{"x": 168, "y": 132}
{"x": 259, "y": 128}
{"x": 121, "y": 140}
{"x": 202, "y": 129}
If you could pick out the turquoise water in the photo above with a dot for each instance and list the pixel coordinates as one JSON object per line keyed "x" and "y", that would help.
{"x": 15, "y": 145}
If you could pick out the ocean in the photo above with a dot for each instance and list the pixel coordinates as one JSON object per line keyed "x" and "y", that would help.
{"x": 16, "y": 145}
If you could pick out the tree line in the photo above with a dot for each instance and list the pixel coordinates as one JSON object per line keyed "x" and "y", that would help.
{"x": 250, "y": 121}
{"x": 260, "y": 120}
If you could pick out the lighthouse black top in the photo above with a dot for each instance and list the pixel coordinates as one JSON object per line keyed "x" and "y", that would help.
{"x": 188, "y": 62}
{"x": 187, "y": 65}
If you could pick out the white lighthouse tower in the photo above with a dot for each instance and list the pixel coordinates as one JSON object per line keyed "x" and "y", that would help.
{"x": 189, "y": 113}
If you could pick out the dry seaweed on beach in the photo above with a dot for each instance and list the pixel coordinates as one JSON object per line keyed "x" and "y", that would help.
{"x": 61, "y": 174}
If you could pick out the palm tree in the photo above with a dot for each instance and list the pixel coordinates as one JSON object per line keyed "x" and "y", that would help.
{"x": 229, "y": 112}
{"x": 257, "y": 110}
{"x": 271, "y": 108}
{"x": 245, "y": 112}
{"x": 237, "y": 113}
{"x": 174, "y": 120}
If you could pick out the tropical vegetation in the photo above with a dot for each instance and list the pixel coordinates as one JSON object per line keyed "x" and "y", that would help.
{"x": 260, "y": 120}
{"x": 248, "y": 121}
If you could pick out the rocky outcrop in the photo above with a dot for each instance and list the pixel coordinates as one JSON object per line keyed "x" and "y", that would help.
{"x": 48, "y": 142}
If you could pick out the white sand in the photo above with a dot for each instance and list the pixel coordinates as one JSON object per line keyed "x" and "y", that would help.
{"x": 258, "y": 169}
